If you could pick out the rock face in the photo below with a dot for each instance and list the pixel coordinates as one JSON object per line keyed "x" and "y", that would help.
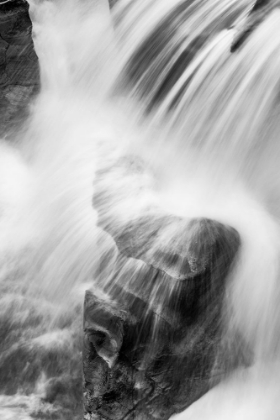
{"x": 152, "y": 342}
{"x": 19, "y": 76}
{"x": 153, "y": 334}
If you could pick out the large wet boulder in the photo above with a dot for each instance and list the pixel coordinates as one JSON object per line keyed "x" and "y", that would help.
{"x": 19, "y": 75}
{"x": 153, "y": 337}
{"x": 153, "y": 325}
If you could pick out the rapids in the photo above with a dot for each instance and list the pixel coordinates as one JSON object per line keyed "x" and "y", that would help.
{"x": 153, "y": 78}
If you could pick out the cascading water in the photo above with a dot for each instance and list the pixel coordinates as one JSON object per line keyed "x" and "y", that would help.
{"x": 49, "y": 234}
{"x": 155, "y": 80}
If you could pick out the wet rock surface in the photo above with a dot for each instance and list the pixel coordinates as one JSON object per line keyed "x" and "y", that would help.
{"x": 153, "y": 334}
{"x": 19, "y": 69}
{"x": 152, "y": 342}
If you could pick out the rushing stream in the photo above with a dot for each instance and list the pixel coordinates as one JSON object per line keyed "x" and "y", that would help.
{"x": 155, "y": 79}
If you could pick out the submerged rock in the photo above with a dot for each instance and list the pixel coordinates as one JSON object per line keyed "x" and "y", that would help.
{"x": 19, "y": 79}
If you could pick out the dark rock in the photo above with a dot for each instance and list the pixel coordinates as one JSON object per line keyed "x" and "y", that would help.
{"x": 19, "y": 69}
{"x": 151, "y": 344}
{"x": 153, "y": 335}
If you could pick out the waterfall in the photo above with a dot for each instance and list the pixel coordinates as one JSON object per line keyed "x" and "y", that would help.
{"x": 153, "y": 81}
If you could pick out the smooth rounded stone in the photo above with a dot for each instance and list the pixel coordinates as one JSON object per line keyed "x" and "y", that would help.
{"x": 19, "y": 67}
{"x": 153, "y": 341}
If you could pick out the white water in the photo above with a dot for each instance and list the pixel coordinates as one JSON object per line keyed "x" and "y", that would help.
{"x": 215, "y": 155}
{"x": 247, "y": 395}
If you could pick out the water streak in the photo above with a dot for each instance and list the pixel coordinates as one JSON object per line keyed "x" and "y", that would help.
{"x": 156, "y": 80}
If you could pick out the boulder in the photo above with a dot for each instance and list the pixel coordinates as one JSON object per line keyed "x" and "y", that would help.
{"x": 153, "y": 338}
{"x": 19, "y": 79}
{"x": 153, "y": 327}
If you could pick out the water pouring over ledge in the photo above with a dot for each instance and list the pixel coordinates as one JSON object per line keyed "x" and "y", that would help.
{"x": 204, "y": 157}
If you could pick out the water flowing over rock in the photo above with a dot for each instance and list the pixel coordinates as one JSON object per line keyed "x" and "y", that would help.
{"x": 153, "y": 335}
{"x": 19, "y": 79}
{"x": 260, "y": 10}
{"x": 162, "y": 54}
{"x": 152, "y": 342}
{"x": 182, "y": 287}
{"x": 36, "y": 361}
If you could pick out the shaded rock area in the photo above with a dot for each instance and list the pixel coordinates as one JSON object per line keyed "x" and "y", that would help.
{"x": 153, "y": 334}
{"x": 19, "y": 69}
{"x": 152, "y": 342}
